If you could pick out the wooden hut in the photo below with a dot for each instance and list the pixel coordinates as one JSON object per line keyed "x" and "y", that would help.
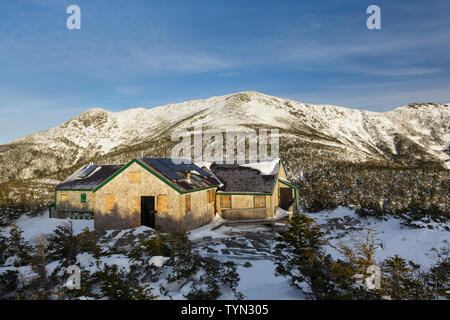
{"x": 153, "y": 192}
{"x": 254, "y": 190}
{"x": 173, "y": 195}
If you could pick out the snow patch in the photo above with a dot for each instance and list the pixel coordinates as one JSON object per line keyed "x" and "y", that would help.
{"x": 281, "y": 213}
{"x": 33, "y": 227}
{"x": 158, "y": 261}
{"x": 267, "y": 168}
{"x": 391, "y": 237}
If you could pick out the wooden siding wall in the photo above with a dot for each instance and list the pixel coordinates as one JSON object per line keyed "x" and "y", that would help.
{"x": 127, "y": 206}
{"x": 134, "y": 182}
{"x": 73, "y": 203}
{"x": 242, "y": 206}
{"x": 127, "y": 210}
{"x": 201, "y": 213}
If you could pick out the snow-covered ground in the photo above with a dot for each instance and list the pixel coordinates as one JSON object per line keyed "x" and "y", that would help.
{"x": 391, "y": 237}
{"x": 342, "y": 226}
{"x": 259, "y": 282}
{"x": 250, "y": 247}
{"x": 33, "y": 227}
{"x": 257, "y": 278}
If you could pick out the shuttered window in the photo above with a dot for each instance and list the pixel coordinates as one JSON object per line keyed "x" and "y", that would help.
{"x": 225, "y": 201}
{"x": 211, "y": 195}
{"x": 83, "y": 197}
{"x": 260, "y": 201}
{"x": 110, "y": 202}
{"x": 162, "y": 203}
{"x": 134, "y": 177}
{"x": 187, "y": 202}
{"x": 63, "y": 197}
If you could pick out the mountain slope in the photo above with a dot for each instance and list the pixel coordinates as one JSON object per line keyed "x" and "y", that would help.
{"x": 411, "y": 135}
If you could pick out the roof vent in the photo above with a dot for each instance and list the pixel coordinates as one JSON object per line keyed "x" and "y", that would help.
{"x": 188, "y": 177}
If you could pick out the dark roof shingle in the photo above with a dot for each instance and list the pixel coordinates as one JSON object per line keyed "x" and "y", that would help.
{"x": 97, "y": 177}
{"x": 236, "y": 178}
{"x": 199, "y": 178}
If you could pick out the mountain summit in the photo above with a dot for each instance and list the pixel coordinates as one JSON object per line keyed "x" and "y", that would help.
{"x": 409, "y": 135}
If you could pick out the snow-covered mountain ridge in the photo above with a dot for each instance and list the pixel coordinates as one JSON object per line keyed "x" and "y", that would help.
{"x": 407, "y": 134}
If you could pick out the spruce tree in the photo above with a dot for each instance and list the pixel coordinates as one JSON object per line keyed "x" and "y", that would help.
{"x": 402, "y": 280}
{"x": 18, "y": 247}
{"x": 301, "y": 257}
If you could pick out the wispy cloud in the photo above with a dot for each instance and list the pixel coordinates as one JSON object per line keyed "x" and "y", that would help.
{"x": 150, "y": 52}
{"x": 129, "y": 90}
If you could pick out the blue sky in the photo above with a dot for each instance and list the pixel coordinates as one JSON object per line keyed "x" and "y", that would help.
{"x": 147, "y": 53}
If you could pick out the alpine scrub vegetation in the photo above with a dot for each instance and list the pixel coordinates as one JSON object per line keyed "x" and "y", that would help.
{"x": 115, "y": 284}
{"x": 301, "y": 256}
{"x": 64, "y": 245}
{"x": 167, "y": 261}
{"x": 16, "y": 250}
{"x": 202, "y": 278}
{"x": 376, "y": 190}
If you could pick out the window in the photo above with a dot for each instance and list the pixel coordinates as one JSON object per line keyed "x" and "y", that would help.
{"x": 161, "y": 203}
{"x": 83, "y": 197}
{"x": 110, "y": 202}
{"x": 259, "y": 201}
{"x": 225, "y": 201}
{"x": 63, "y": 197}
{"x": 187, "y": 202}
{"x": 134, "y": 177}
{"x": 210, "y": 196}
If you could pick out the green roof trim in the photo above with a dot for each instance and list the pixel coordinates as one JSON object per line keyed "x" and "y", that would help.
{"x": 195, "y": 190}
{"x": 84, "y": 190}
{"x": 153, "y": 173}
{"x": 288, "y": 184}
{"x": 243, "y": 194}
{"x": 291, "y": 186}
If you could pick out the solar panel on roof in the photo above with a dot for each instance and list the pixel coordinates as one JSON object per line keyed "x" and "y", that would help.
{"x": 161, "y": 167}
{"x": 172, "y": 167}
{"x": 183, "y": 167}
{"x": 151, "y": 161}
{"x": 165, "y": 161}
{"x": 172, "y": 175}
{"x": 87, "y": 171}
{"x": 169, "y": 168}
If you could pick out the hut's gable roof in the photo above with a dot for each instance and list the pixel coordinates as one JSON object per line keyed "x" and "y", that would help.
{"x": 259, "y": 177}
{"x": 89, "y": 177}
{"x": 176, "y": 174}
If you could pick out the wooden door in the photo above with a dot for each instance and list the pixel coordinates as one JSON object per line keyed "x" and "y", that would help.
{"x": 286, "y": 198}
{"x": 148, "y": 211}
